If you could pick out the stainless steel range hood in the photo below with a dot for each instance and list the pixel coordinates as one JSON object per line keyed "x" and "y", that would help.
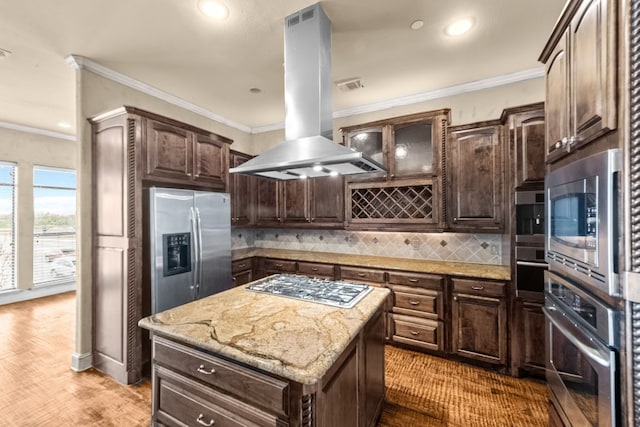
{"x": 308, "y": 150}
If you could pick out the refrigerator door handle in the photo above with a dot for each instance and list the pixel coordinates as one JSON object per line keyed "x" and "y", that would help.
{"x": 199, "y": 248}
{"x": 196, "y": 250}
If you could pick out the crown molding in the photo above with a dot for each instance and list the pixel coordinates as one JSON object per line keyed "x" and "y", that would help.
{"x": 473, "y": 86}
{"x": 81, "y": 63}
{"x": 37, "y": 131}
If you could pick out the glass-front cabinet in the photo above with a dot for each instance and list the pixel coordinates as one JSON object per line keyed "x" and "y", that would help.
{"x": 408, "y": 146}
{"x": 409, "y": 194}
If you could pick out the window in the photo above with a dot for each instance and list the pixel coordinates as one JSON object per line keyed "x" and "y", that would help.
{"x": 54, "y": 225}
{"x": 7, "y": 226}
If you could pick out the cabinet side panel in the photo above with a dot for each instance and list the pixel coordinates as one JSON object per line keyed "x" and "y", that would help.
{"x": 110, "y": 170}
{"x": 110, "y": 292}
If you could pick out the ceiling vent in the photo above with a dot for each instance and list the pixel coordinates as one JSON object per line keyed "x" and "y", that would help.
{"x": 349, "y": 84}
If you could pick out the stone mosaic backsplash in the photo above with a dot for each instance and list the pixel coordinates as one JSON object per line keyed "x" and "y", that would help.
{"x": 462, "y": 247}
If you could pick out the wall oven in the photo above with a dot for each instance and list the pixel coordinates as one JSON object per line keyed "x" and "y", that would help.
{"x": 581, "y": 238}
{"x": 530, "y": 269}
{"x": 582, "y": 354}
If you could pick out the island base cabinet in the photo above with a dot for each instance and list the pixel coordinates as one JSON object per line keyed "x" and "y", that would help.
{"x": 193, "y": 387}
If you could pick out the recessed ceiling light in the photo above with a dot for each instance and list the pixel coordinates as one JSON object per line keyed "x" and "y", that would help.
{"x": 416, "y": 25}
{"x": 64, "y": 125}
{"x": 213, "y": 9}
{"x": 459, "y": 27}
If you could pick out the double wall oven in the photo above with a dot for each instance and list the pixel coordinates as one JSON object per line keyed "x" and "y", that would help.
{"x": 582, "y": 290}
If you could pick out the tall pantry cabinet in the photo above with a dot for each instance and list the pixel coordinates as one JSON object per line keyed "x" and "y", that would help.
{"x": 133, "y": 150}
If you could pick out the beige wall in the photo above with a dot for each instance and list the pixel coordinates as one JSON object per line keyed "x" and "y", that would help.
{"x": 27, "y": 150}
{"x": 465, "y": 108}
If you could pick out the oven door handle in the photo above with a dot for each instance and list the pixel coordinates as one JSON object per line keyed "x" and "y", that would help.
{"x": 579, "y": 339}
{"x": 533, "y": 264}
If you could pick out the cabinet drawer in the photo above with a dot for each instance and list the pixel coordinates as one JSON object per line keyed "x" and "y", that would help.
{"x": 280, "y": 266}
{"x": 257, "y": 388}
{"x": 418, "y": 332}
{"x": 361, "y": 274}
{"x": 479, "y": 287}
{"x": 241, "y": 265}
{"x": 429, "y": 281}
{"x": 417, "y": 302}
{"x": 315, "y": 269}
{"x": 181, "y": 402}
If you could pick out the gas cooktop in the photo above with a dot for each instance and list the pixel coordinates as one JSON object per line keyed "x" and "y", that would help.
{"x": 330, "y": 292}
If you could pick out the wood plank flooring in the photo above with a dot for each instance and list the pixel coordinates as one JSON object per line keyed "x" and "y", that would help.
{"x": 37, "y": 387}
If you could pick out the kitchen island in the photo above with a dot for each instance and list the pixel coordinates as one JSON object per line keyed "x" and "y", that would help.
{"x": 242, "y": 358}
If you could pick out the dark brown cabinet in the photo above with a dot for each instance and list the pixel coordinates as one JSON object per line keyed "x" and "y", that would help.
{"x": 418, "y": 317}
{"x": 580, "y": 76}
{"x": 242, "y": 271}
{"x": 133, "y": 150}
{"x": 479, "y": 320}
{"x": 408, "y": 196}
{"x": 179, "y": 155}
{"x": 475, "y": 177}
{"x": 533, "y": 338}
{"x": 241, "y": 190}
{"x": 311, "y": 203}
{"x": 525, "y": 132}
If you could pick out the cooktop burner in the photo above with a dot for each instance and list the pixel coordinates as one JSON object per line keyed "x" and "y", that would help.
{"x": 330, "y": 292}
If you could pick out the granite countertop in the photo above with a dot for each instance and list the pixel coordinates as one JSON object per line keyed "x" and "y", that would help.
{"x": 484, "y": 271}
{"x": 297, "y": 340}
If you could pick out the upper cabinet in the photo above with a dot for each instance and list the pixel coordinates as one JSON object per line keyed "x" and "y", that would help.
{"x": 241, "y": 190}
{"x": 179, "y": 154}
{"x": 580, "y": 76}
{"x": 475, "y": 177}
{"x": 310, "y": 203}
{"x": 408, "y": 196}
{"x": 525, "y": 131}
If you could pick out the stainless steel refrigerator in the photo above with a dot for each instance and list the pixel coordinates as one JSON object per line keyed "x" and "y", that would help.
{"x": 190, "y": 245}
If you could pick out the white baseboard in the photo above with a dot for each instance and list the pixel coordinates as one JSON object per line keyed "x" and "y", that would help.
{"x": 81, "y": 362}
{"x": 18, "y": 295}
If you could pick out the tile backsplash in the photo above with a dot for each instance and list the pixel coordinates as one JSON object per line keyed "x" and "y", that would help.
{"x": 462, "y": 247}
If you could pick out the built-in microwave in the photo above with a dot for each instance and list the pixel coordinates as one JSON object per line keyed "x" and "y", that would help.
{"x": 581, "y": 220}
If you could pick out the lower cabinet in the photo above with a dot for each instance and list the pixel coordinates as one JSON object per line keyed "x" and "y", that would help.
{"x": 479, "y": 320}
{"x": 191, "y": 387}
{"x": 528, "y": 338}
{"x": 242, "y": 271}
{"x": 417, "y": 317}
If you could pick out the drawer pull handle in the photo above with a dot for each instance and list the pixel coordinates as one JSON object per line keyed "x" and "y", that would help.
{"x": 314, "y": 268}
{"x": 242, "y": 265}
{"x": 477, "y": 288}
{"x": 202, "y": 370}
{"x": 278, "y": 265}
{"x": 414, "y": 302}
{"x": 414, "y": 332}
{"x": 202, "y": 422}
{"x": 413, "y": 280}
{"x": 362, "y": 274}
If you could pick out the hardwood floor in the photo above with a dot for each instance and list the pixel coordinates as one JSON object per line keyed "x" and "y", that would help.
{"x": 38, "y": 388}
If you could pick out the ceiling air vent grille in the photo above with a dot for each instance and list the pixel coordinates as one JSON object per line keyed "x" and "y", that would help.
{"x": 350, "y": 84}
{"x": 307, "y": 15}
{"x": 295, "y": 20}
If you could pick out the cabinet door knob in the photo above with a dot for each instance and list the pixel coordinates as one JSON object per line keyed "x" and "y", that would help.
{"x": 202, "y": 422}
{"x": 202, "y": 370}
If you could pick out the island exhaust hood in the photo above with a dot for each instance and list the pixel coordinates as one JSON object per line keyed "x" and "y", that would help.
{"x": 308, "y": 150}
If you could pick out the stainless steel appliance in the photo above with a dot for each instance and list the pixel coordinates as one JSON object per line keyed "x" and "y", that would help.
{"x": 329, "y": 292}
{"x": 190, "y": 245}
{"x": 530, "y": 217}
{"x": 582, "y": 239}
{"x": 582, "y": 354}
{"x": 530, "y": 269}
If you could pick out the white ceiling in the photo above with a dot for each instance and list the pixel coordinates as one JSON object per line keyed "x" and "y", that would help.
{"x": 169, "y": 45}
